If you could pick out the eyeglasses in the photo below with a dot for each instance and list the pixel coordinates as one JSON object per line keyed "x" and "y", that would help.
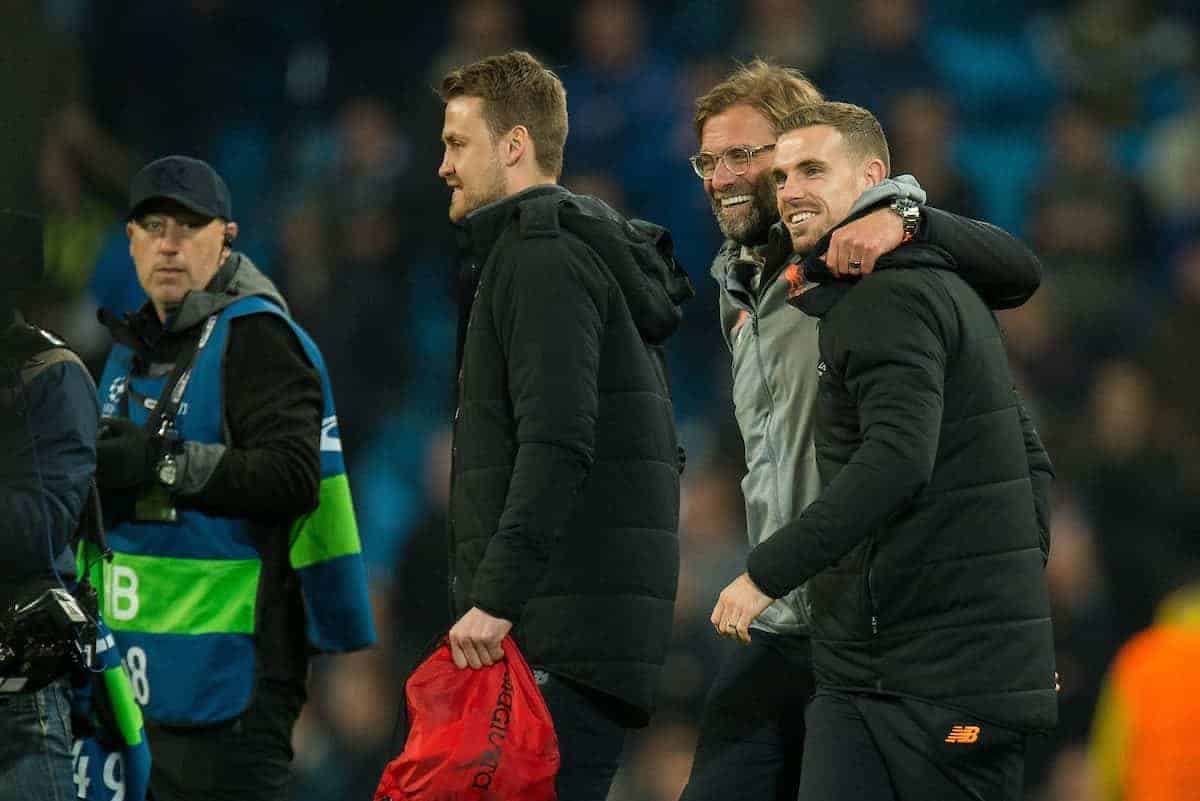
{"x": 736, "y": 159}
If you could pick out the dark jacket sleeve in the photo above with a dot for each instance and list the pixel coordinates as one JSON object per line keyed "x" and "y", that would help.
{"x": 63, "y": 416}
{"x": 996, "y": 264}
{"x": 271, "y": 470}
{"x": 550, "y": 308}
{"x": 1041, "y": 474}
{"x": 894, "y": 370}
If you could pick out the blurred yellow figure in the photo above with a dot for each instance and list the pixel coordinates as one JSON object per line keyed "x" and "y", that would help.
{"x": 1144, "y": 744}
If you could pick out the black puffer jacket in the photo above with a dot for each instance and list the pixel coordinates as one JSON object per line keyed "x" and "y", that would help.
{"x": 925, "y": 551}
{"x": 565, "y": 492}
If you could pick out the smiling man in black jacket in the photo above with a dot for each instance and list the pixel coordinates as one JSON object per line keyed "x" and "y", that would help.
{"x": 924, "y": 554}
{"x": 565, "y": 492}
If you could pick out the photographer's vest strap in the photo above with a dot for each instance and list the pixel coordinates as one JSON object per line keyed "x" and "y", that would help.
{"x": 182, "y": 597}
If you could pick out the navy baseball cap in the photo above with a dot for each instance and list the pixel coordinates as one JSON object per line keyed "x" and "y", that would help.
{"x": 190, "y": 182}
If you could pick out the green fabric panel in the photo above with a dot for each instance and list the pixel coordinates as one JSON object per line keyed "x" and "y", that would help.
{"x": 331, "y": 530}
{"x": 125, "y": 710}
{"x": 181, "y": 596}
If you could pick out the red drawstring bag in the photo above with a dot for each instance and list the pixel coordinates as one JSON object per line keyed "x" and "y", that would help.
{"x": 474, "y": 735}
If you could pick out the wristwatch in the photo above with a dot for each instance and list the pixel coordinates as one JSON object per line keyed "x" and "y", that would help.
{"x": 910, "y": 216}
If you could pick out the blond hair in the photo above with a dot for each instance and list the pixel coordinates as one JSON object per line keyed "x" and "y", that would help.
{"x": 517, "y": 89}
{"x": 859, "y": 129}
{"x": 770, "y": 89}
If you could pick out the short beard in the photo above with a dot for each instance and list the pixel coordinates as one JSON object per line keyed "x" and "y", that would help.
{"x": 753, "y": 228}
{"x": 494, "y": 190}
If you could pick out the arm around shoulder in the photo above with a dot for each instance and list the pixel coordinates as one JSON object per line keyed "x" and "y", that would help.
{"x": 1000, "y": 267}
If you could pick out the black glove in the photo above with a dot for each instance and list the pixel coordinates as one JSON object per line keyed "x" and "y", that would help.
{"x": 126, "y": 455}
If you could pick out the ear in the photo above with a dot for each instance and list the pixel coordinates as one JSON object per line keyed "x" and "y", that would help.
{"x": 514, "y": 145}
{"x": 231, "y": 233}
{"x": 874, "y": 171}
{"x": 129, "y": 236}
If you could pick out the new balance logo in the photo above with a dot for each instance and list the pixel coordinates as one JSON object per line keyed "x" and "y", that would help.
{"x": 963, "y": 734}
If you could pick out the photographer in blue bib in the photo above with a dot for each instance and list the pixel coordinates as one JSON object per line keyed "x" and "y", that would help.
{"x": 48, "y": 421}
{"x": 236, "y": 554}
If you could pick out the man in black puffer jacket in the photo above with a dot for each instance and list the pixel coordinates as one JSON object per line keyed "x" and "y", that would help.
{"x": 565, "y": 491}
{"x": 924, "y": 554}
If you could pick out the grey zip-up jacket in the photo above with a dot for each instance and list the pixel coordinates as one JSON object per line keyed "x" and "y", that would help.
{"x": 774, "y": 349}
{"x": 775, "y": 355}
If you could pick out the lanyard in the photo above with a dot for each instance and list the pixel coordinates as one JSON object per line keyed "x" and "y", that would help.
{"x": 162, "y": 417}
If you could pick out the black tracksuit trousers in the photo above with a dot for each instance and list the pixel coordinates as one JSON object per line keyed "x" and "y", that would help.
{"x": 247, "y": 759}
{"x": 752, "y": 734}
{"x": 885, "y": 748}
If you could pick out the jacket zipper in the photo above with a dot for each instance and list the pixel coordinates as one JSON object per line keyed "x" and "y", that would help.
{"x": 870, "y": 594}
{"x": 454, "y": 441}
{"x": 768, "y": 436}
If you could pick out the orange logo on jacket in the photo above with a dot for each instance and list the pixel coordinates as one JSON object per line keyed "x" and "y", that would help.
{"x": 794, "y": 275}
{"x": 963, "y": 735}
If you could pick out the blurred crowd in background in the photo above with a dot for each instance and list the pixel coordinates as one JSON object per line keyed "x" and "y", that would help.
{"x": 1075, "y": 125}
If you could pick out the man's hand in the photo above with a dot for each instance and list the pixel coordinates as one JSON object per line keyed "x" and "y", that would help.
{"x": 854, "y": 248}
{"x": 125, "y": 455}
{"x": 475, "y": 639}
{"x": 737, "y": 607}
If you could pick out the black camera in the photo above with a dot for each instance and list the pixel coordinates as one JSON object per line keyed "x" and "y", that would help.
{"x": 44, "y": 639}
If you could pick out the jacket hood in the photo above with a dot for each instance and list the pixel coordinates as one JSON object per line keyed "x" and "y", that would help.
{"x": 238, "y": 278}
{"x": 639, "y": 255}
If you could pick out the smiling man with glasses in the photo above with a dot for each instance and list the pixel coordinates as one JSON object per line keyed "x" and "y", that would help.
{"x": 752, "y": 734}
{"x": 743, "y": 207}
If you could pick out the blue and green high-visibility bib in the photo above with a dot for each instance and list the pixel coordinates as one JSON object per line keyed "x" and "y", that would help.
{"x": 181, "y": 597}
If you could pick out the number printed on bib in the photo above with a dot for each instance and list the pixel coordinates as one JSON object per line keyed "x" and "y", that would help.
{"x": 81, "y": 766}
{"x": 114, "y": 776}
{"x": 137, "y": 668}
